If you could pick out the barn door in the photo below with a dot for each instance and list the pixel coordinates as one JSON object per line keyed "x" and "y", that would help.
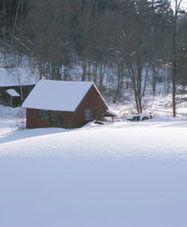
{"x": 57, "y": 121}
{"x": 88, "y": 114}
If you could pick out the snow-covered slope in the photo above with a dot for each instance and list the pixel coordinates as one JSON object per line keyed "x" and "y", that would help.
{"x": 119, "y": 139}
{"x": 129, "y": 174}
{"x": 82, "y": 192}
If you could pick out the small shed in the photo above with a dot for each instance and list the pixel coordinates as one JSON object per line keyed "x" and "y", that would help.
{"x": 20, "y": 78}
{"x": 64, "y": 104}
{"x": 14, "y": 95}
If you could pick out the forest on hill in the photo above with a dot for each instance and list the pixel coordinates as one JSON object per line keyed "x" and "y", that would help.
{"x": 134, "y": 40}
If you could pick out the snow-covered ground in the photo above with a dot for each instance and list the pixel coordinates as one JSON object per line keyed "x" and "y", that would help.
{"x": 18, "y": 76}
{"x": 117, "y": 139}
{"x": 131, "y": 174}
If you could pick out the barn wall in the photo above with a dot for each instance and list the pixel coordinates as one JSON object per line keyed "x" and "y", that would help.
{"x": 67, "y": 118}
{"x": 34, "y": 121}
{"x": 93, "y": 101}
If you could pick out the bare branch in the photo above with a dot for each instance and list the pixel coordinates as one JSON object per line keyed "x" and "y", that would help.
{"x": 20, "y": 42}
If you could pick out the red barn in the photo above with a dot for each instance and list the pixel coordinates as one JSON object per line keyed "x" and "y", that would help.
{"x": 64, "y": 104}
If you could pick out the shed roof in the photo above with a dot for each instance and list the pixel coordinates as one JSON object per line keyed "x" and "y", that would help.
{"x": 12, "y": 93}
{"x": 57, "y": 95}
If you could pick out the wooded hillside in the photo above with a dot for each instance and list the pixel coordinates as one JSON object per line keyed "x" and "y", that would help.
{"x": 133, "y": 39}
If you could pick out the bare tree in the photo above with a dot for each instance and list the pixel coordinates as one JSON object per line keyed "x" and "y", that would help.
{"x": 174, "y": 57}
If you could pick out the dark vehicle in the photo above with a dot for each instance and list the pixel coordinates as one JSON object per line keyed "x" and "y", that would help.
{"x": 139, "y": 117}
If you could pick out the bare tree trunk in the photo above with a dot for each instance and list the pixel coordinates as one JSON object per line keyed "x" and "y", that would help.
{"x": 55, "y": 67}
{"x": 174, "y": 63}
{"x": 95, "y": 73}
{"x": 16, "y": 16}
{"x": 154, "y": 80}
{"x": 139, "y": 83}
{"x": 174, "y": 67}
{"x": 134, "y": 85}
{"x": 101, "y": 75}
{"x": 174, "y": 88}
{"x": 41, "y": 68}
{"x": 145, "y": 83}
{"x": 66, "y": 73}
{"x": 84, "y": 67}
{"x": 120, "y": 80}
{"x": 5, "y": 29}
{"x": 89, "y": 71}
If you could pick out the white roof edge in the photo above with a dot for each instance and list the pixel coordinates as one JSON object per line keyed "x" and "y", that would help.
{"x": 18, "y": 85}
{"x": 100, "y": 95}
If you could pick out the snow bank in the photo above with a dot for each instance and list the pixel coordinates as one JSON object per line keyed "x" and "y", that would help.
{"x": 82, "y": 192}
{"x": 119, "y": 139}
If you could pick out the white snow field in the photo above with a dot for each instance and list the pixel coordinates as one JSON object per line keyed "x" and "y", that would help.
{"x": 122, "y": 174}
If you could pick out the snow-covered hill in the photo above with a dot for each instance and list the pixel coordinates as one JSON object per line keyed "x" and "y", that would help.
{"x": 117, "y": 139}
{"x": 120, "y": 174}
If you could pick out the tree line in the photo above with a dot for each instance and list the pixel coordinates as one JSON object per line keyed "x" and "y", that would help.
{"x": 132, "y": 38}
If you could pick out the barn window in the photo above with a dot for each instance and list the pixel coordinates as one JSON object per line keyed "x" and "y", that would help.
{"x": 88, "y": 113}
{"x": 43, "y": 114}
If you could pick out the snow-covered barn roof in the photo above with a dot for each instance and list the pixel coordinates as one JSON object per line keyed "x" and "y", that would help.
{"x": 57, "y": 95}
